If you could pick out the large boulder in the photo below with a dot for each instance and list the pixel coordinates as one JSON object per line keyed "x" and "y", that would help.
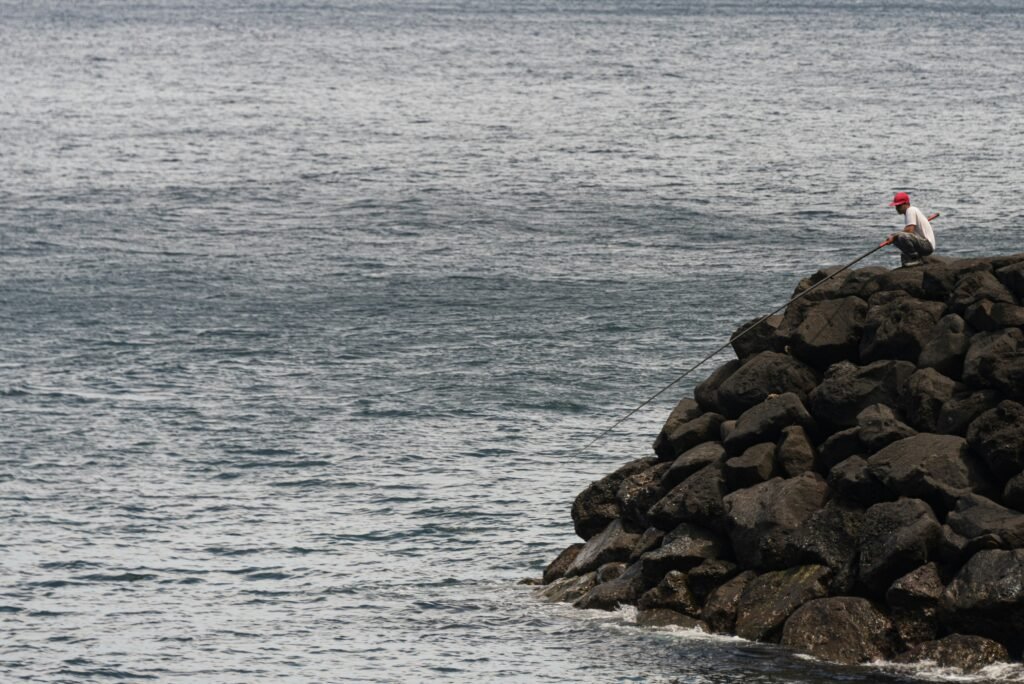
{"x": 697, "y": 499}
{"x": 993, "y": 358}
{"x": 914, "y": 604}
{"x": 829, "y": 537}
{"x": 685, "y": 547}
{"x": 624, "y": 589}
{"x": 842, "y": 629}
{"x": 1012, "y": 277}
{"x": 771, "y": 598}
{"x": 706, "y": 392}
{"x": 598, "y": 504}
{"x": 848, "y": 389}
{"x": 898, "y": 329}
{"x": 975, "y": 287}
{"x": 685, "y": 411}
{"x": 986, "y": 524}
{"x": 672, "y": 592}
{"x": 666, "y": 617}
{"x": 763, "y": 375}
{"x": 945, "y": 347}
{"x": 961, "y": 410}
{"x": 853, "y": 481}
{"x": 867, "y": 283}
{"x": 614, "y": 543}
{"x": 880, "y": 427}
{"x": 795, "y": 452}
{"x": 710, "y": 575}
{"x": 997, "y": 436}
{"x": 557, "y": 568}
{"x": 568, "y": 589}
{"x": 924, "y": 395}
{"x": 685, "y": 436}
{"x": 765, "y": 422}
{"x": 762, "y": 518}
{"x": 989, "y": 316}
{"x": 895, "y": 538}
{"x": 936, "y": 468}
{"x": 638, "y": 492}
{"x": 692, "y": 460}
{"x": 754, "y": 465}
{"x": 755, "y": 336}
{"x": 827, "y": 331}
{"x": 837, "y": 448}
{"x": 987, "y": 598}
{"x": 964, "y": 652}
{"x": 719, "y": 610}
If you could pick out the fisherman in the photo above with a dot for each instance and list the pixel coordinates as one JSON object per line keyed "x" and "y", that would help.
{"x": 917, "y": 239}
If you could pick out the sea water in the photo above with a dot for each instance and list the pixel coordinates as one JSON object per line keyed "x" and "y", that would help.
{"x": 306, "y": 306}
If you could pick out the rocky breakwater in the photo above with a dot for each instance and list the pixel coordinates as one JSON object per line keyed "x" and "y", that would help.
{"x": 850, "y": 486}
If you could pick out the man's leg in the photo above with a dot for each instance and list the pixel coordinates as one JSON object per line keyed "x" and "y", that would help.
{"x": 913, "y": 248}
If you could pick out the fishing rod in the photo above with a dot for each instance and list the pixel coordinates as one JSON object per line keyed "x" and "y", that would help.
{"x": 732, "y": 339}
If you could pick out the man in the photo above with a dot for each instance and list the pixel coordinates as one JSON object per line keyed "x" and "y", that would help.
{"x": 917, "y": 239}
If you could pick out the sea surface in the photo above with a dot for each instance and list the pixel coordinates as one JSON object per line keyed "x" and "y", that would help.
{"x": 306, "y": 306}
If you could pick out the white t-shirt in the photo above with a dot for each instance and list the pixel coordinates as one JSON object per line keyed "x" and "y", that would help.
{"x": 920, "y": 221}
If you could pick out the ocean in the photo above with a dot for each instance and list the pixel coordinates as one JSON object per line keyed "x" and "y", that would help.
{"x": 305, "y": 307}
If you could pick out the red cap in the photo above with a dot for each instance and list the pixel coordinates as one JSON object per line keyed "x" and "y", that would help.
{"x": 900, "y": 198}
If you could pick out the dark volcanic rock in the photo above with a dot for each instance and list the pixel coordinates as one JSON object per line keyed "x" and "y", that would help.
{"x": 795, "y": 453}
{"x": 611, "y": 571}
{"x": 614, "y": 543}
{"x": 896, "y": 537}
{"x": 989, "y": 316}
{"x": 843, "y": 629}
{"x": 765, "y": 374}
{"x": 848, "y": 389}
{"x": 756, "y": 337}
{"x": 762, "y": 518}
{"x": 771, "y": 598}
{"x": 765, "y": 422}
{"x": 692, "y": 460}
{"x": 853, "y": 481}
{"x": 879, "y": 427}
{"x": 685, "y": 411}
{"x": 965, "y": 652}
{"x": 975, "y": 287}
{"x": 960, "y": 411}
{"x": 1013, "y": 493}
{"x": 648, "y": 541}
{"x": 837, "y": 448}
{"x": 623, "y": 590}
{"x": 665, "y": 617}
{"x": 986, "y": 524}
{"x": 865, "y": 283}
{"x": 992, "y": 360}
{"x": 568, "y": 589}
{"x": 1012, "y": 277}
{"x": 557, "y": 568}
{"x": 720, "y": 609}
{"x": 706, "y": 393}
{"x": 755, "y": 465}
{"x": 697, "y": 499}
{"x": 598, "y": 505}
{"x": 685, "y": 547}
{"x": 936, "y": 468}
{"x": 685, "y": 436}
{"x": 914, "y": 604}
{"x": 899, "y": 329}
{"x": 987, "y": 598}
{"x": 997, "y": 436}
{"x": 639, "y": 492}
{"x": 946, "y": 346}
{"x": 710, "y": 575}
{"x": 672, "y": 592}
{"x": 924, "y": 395}
{"x": 830, "y": 538}
{"x": 828, "y": 331}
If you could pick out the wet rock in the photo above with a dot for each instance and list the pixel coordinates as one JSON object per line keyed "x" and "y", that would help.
{"x": 649, "y": 541}
{"x": 557, "y": 568}
{"x": 848, "y": 389}
{"x": 623, "y": 590}
{"x": 720, "y": 609}
{"x": 837, "y": 448}
{"x": 895, "y": 538}
{"x": 614, "y": 543}
{"x": 853, "y": 481}
{"x": 987, "y": 598}
{"x": 683, "y": 437}
{"x": 830, "y": 538}
{"x": 568, "y": 589}
{"x": 946, "y": 346}
{"x": 598, "y": 504}
{"x": 672, "y": 592}
{"x": 684, "y": 548}
{"x": 914, "y": 604}
{"x": 926, "y": 392}
{"x": 685, "y": 411}
{"x": 828, "y": 331}
{"x": 843, "y": 629}
{"x": 899, "y": 329}
{"x": 989, "y": 316}
{"x": 880, "y": 427}
{"x": 984, "y": 523}
{"x": 756, "y": 338}
{"x": 765, "y": 374}
{"x": 706, "y": 393}
{"x": 692, "y": 460}
{"x": 965, "y": 652}
{"x": 663, "y": 617}
{"x": 610, "y": 571}
{"x": 766, "y": 421}
{"x": 961, "y": 410}
{"x": 710, "y": 575}
{"x": 997, "y": 436}
{"x": 771, "y": 598}
{"x": 936, "y": 468}
{"x": 795, "y": 453}
{"x": 755, "y": 465}
{"x": 761, "y": 518}
{"x": 639, "y": 492}
{"x": 975, "y": 287}
{"x": 698, "y": 499}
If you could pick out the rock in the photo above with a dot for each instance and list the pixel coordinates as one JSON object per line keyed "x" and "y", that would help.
{"x": 762, "y": 518}
{"x": 706, "y": 393}
{"x": 613, "y": 544}
{"x": 987, "y": 598}
{"x": 965, "y": 652}
{"x": 926, "y": 392}
{"x": 879, "y": 427}
{"x": 989, "y": 316}
{"x": 826, "y": 282}
{"x": 766, "y": 421}
{"x": 598, "y": 505}
{"x": 946, "y": 346}
{"x": 557, "y": 568}
{"x": 710, "y": 575}
{"x": 828, "y": 331}
{"x": 961, "y": 410}
{"x": 829, "y": 537}
{"x": 952, "y": 551}
{"x": 771, "y": 598}
{"x": 726, "y": 429}
{"x": 684, "y": 548}
{"x": 974, "y": 287}
{"x": 720, "y": 609}
{"x": 865, "y": 284}
{"x": 672, "y": 592}
{"x": 1012, "y": 277}
{"x": 914, "y": 604}
{"x": 983, "y": 522}
{"x": 990, "y": 358}
{"x": 936, "y": 468}
{"x": 853, "y": 481}
{"x": 649, "y": 541}
{"x": 755, "y": 465}
{"x": 898, "y": 329}
{"x": 568, "y": 589}
{"x": 837, "y": 448}
{"x": 685, "y": 411}
{"x": 623, "y": 590}
{"x": 843, "y": 629}
{"x": 997, "y": 436}
{"x": 795, "y": 454}
{"x": 663, "y": 617}
{"x": 639, "y": 492}
{"x": 765, "y": 374}
{"x": 896, "y": 537}
{"x": 685, "y": 436}
{"x": 939, "y": 281}
{"x": 756, "y": 339}
{"x": 698, "y": 499}
{"x": 848, "y": 389}
{"x": 1013, "y": 493}
{"x": 610, "y": 571}
{"x": 692, "y": 460}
